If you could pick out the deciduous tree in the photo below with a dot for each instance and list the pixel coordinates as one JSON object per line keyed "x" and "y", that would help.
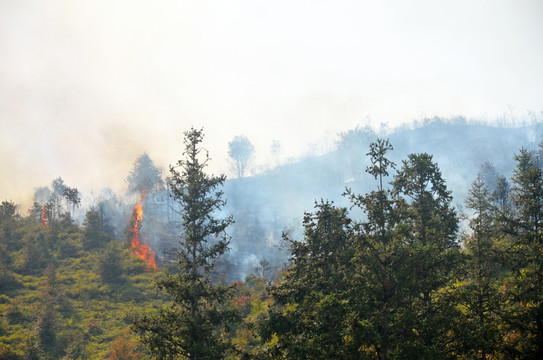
{"x": 241, "y": 151}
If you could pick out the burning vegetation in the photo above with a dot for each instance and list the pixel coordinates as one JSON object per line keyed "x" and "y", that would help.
{"x": 43, "y": 224}
{"x": 141, "y": 249}
{"x": 401, "y": 282}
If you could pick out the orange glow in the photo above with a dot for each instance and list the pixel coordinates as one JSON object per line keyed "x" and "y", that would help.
{"x": 43, "y": 218}
{"x": 141, "y": 250}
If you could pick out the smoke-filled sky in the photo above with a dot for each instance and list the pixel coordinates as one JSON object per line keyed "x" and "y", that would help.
{"x": 87, "y": 86}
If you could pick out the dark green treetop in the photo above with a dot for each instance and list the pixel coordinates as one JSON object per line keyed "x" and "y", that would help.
{"x": 307, "y": 319}
{"x": 432, "y": 225}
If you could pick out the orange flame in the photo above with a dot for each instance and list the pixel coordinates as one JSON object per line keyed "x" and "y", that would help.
{"x": 141, "y": 250}
{"x": 43, "y": 218}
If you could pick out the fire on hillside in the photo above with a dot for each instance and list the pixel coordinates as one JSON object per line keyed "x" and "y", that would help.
{"x": 141, "y": 249}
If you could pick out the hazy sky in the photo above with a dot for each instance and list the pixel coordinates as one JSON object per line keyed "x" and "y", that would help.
{"x": 87, "y": 86}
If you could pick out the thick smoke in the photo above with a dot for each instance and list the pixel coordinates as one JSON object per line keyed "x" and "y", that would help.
{"x": 267, "y": 205}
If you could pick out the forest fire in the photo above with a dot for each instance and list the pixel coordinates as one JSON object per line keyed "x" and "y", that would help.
{"x": 43, "y": 218}
{"x": 141, "y": 250}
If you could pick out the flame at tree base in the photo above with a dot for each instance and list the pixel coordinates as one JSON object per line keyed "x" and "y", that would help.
{"x": 43, "y": 224}
{"x": 141, "y": 250}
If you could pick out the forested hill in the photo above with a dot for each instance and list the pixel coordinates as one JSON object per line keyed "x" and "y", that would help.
{"x": 265, "y": 205}
{"x": 388, "y": 281}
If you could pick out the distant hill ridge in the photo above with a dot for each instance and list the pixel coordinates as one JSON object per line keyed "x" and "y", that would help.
{"x": 264, "y": 205}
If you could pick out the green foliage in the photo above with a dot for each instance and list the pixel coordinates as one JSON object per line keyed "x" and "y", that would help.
{"x": 55, "y": 304}
{"x": 431, "y": 227}
{"x": 380, "y": 284}
{"x": 477, "y": 293}
{"x": 192, "y": 326}
{"x": 307, "y": 317}
{"x": 8, "y": 281}
{"x": 34, "y": 255}
{"x": 524, "y": 313}
{"x": 393, "y": 285}
{"x": 8, "y": 210}
{"x": 94, "y": 234}
{"x": 373, "y": 289}
{"x": 110, "y": 264}
{"x": 251, "y": 301}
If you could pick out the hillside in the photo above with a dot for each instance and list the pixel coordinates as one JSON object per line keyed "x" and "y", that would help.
{"x": 266, "y": 204}
{"x": 67, "y": 291}
{"x": 71, "y": 290}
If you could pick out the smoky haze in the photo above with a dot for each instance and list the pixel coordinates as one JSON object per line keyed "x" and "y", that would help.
{"x": 274, "y": 201}
{"x": 86, "y": 87}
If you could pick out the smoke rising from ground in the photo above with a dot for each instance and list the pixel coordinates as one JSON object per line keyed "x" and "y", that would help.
{"x": 274, "y": 201}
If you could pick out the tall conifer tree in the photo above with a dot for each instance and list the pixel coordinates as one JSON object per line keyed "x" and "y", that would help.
{"x": 306, "y": 320}
{"x": 478, "y": 292}
{"x": 191, "y": 326}
{"x": 433, "y": 248}
{"x": 378, "y": 291}
{"x": 525, "y": 312}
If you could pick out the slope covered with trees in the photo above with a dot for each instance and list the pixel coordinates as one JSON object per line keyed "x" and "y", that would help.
{"x": 67, "y": 291}
{"x": 265, "y": 204}
{"x": 397, "y": 270}
{"x": 402, "y": 283}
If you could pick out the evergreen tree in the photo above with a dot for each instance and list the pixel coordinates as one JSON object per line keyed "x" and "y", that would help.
{"x": 191, "y": 326}
{"x": 8, "y": 210}
{"x": 145, "y": 176}
{"x": 34, "y": 255}
{"x": 478, "y": 292}
{"x": 46, "y": 326}
{"x": 525, "y": 308}
{"x": 500, "y": 196}
{"x": 307, "y": 319}
{"x": 431, "y": 237}
{"x": 381, "y": 276}
{"x": 110, "y": 264}
{"x": 94, "y": 235}
{"x": 8, "y": 223}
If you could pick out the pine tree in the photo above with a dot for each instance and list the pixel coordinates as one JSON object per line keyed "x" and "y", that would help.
{"x": 378, "y": 290}
{"x": 46, "y": 325}
{"x": 94, "y": 235}
{"x": 191, "y": 326}
{"x": 525, "y": 311}
{"x": 478, "y": 292}
{"x": 109, "y": 265}
{"x": 307, "y": 318}
{"x": 433, "y": 251}
{"x": 145, "y": 176}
